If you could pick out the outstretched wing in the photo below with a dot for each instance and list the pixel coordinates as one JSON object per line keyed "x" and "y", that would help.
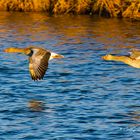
{"x": 38, "y": 63}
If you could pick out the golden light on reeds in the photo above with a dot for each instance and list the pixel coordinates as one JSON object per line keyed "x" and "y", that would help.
{"x": 82, "y": 6}
{"x": 133, "y": 10}
{"x": 62, "y": 6}
{"x": 25, "y": 5}
{"x": 110, "y": 8}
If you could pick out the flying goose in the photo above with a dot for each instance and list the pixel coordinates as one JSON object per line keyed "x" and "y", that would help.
{"x": 38, "y": 59}
{"x": 132, "y": 60}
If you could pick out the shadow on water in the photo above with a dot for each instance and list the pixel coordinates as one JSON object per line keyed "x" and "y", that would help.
{"x": 36, "y": 105}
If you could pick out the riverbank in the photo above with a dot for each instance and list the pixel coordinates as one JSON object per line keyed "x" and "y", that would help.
{"x": 108, "y": 8}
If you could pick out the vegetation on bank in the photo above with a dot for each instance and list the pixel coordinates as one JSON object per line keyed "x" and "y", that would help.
{"x": 110, "y": 8}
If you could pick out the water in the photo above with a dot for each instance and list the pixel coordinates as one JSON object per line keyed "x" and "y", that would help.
{"x": 85, "y": 97}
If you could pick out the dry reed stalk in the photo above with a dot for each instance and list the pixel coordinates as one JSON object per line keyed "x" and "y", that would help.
{"x": 62, "y": 6}
{"x": 41, "y": 5}
{"x": 71, "y": 6}
{"x": 9, "y": 4}
{"x": 112, "y": 7}
{"x": 133, "y": 10}
{"x": 82, "y": 6}
{"x": 25, "y": 5}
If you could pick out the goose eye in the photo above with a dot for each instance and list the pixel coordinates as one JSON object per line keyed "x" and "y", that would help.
{"x": 30, "y": 52}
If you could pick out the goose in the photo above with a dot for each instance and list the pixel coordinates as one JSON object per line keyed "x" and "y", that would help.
{"x": 132, "y": 60}
{"x": 38, "y": 59}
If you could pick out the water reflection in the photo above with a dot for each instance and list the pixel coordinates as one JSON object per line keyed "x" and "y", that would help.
{"x": 36, "y": 105}
{"x": 135, "y": 117}
{"x": 113, "y": 33}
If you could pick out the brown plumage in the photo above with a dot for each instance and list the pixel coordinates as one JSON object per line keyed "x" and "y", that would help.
{"x": 135, "y": 54}
{"x": 38, "y": 59}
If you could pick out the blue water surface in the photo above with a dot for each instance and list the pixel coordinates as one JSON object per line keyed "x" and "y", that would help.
{"x": 85, "y": 97}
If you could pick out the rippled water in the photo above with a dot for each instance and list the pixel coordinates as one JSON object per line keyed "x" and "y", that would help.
{"x": 85, "y": 97}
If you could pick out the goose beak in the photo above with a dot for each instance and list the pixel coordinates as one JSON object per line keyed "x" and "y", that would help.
{"x": 104, "y": 57}
{"x": 55, "y": 55}
{"x": 107, "y": 57}
{"x": 6, "y": 50}
{"x": 58, "y": 56}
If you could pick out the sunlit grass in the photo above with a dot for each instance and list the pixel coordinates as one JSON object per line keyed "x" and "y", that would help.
{"x": 132, "y": 9}
{"x": 110, "y": 8}
{"x": 82, "y": 6}
{"x": 25, "y": 5}
{"x": 62, "y": 6}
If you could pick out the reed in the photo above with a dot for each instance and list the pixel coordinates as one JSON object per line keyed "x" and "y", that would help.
{"x": 110, "y": 8}
{"x": 107, "y": 7}
{"x": 63, "y": 6}
{"x": 71, "y": 6}
{"x": 132, "y": 9}
{"x": 25, "y": 5}
{"x": 82, "y": 6}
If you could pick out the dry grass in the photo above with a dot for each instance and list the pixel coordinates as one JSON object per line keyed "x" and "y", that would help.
{"x": 25, "y": 5}
{"x": 132, "y": 10}
{"x": 63, "y": 6}
{"x": 71, "y": 6}
{"x": 111, "y": 8}
{"x": 82, "y": 6}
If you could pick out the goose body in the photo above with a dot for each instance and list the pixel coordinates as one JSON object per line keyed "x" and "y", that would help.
{"x": 38, "y": 59}
{"x": 129, "y": 60}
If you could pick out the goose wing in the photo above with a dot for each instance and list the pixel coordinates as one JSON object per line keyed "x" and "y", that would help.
{"x": 135, "y": 54}
{"x": 38, "y": 63}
